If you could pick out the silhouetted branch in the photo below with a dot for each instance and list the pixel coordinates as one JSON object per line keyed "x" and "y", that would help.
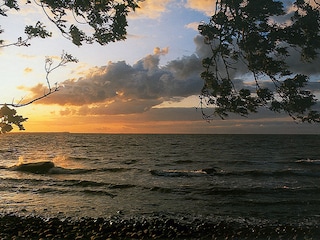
{"x": 31, "y": 31}
{"x": 49, "y": 67}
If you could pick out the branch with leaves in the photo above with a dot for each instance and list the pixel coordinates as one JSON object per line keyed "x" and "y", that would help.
{"x": 31, "y": 32}
{"x": 245, "y": 33}
{"x": 49, "y": 68}
{"x": 107, "y": 18}
{"x": 8, "y": 116}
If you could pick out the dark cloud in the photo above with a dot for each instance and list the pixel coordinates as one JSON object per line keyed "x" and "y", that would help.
{"x": 122, "y": 88}
{"x": 297, "y": 65}
{"x": 203, "y": 50}
{"x": 243, "y": 77}
{"x": 118, "y": 107}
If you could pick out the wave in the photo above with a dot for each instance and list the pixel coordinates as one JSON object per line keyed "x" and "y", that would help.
{"x": 161, "y": 189}
{"x": 98, "y": 192}
{"x": 255, "y": 194}
{"x": 61, "y": 170}
{"x": 183, "y": 173}
{"x": 116, "y": 169}
{"x": 85, "y": 183}
{"x": 246, "y": 173}
{"x": 57, "y": 185}
{"x": 3, "y": 167}
{"x": 79, "y": 158}
{"x": 55, "y": 190}
{"x": 45, "y": 167}
{"x": 264, "y": 173}
{"x": 309, "y": 161}
{"x": 183, "y": 161}
{"x": 48, "y": 167}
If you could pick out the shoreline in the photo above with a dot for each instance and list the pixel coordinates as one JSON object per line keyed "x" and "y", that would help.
{"x": 160, "y": 227}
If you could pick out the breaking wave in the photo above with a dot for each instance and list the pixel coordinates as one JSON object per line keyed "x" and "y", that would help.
{"x": 48, "y": 167}
{"x": 183, "y": 173}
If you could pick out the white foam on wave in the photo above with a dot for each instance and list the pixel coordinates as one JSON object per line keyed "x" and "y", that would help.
{"x": 313, "y": 161}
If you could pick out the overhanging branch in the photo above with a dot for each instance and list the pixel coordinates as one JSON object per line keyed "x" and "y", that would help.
{"x": 49, "y": 67}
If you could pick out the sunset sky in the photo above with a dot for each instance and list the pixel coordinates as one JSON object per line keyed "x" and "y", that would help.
{"x": 148, "y": 83}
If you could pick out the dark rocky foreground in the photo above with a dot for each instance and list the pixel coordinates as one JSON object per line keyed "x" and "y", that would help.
{"x": 15, "y": 227}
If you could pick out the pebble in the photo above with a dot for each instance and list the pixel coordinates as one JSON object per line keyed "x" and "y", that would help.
{"x": 15, "y": 227}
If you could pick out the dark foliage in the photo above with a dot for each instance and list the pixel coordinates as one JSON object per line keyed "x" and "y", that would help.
{"x": 8, "y": 118}
{"x": 107, "y": 18}
{"x": 245, "y": 32}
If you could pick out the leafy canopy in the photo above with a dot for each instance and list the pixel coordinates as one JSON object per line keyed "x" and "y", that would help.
{"x": 246, "y": 33}
{"x": 106, "y": 18}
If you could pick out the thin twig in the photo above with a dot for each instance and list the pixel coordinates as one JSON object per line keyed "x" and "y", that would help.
{"x": 65, "y": 58}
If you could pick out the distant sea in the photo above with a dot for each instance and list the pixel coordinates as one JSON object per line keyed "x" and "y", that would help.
{"x": 255, "y": 178}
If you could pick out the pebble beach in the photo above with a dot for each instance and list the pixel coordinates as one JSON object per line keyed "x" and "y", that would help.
{"x": 30, "y": 227}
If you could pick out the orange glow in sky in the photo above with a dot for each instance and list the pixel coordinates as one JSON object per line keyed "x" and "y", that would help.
{"x": 148, "y": 83}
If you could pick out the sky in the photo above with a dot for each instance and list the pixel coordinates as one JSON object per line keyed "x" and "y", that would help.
{"x": 149, "y": 83}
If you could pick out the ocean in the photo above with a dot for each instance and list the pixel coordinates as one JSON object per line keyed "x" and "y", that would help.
{"x": 252, "y": 178}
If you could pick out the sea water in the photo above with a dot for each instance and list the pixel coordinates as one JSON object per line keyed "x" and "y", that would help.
{"x": 262, "y": 178}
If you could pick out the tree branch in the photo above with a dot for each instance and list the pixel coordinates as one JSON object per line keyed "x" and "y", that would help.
{"x": 65, "y": 58}
{"x": 241, "y": 32}
{"x": 31, "y": 31}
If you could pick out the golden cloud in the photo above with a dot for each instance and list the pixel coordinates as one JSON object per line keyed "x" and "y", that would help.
{"x": 27, "y": 70}
{"x": 159, "y": 51}
{"x": 150, "y": 9}
{"x": 206, "y": 6}
{"x": 193, "y": 25}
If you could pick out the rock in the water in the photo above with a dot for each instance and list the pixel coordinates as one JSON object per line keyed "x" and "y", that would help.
{"x": 37, "y": 167}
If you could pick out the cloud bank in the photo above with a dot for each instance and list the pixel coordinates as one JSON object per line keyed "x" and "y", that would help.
{"x": 120, "y": 88}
